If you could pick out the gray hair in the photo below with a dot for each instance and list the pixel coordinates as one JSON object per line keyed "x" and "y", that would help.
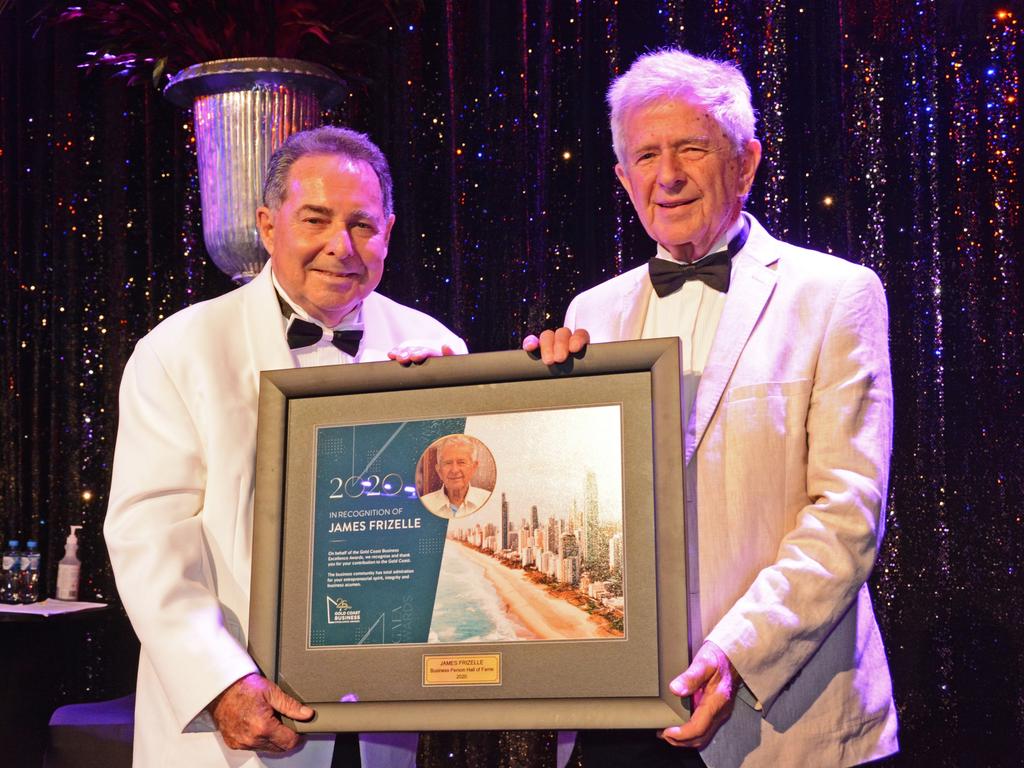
{"x": 326, "y": 140}
{"x": 457, "y": 440}
{"x": 671, "y": 73}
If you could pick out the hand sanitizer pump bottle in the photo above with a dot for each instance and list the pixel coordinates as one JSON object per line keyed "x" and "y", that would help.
{"x": 68, "y": 568}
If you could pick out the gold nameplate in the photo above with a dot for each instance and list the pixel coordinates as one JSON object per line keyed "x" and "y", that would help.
{"x": 481, "y": 669}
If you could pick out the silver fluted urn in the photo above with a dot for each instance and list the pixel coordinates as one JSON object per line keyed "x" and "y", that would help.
{"x": 242, "y": 110}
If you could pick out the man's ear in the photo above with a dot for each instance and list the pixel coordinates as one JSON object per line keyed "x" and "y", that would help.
{"x": 749, "y": 160}
{"x": 387, "y": 229}
{"x": 623, "y": 178}
{"x": 265, "y": 226}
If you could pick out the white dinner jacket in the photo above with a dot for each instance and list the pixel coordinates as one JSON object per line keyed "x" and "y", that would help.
{"x": 787, "y": 455}
{"x": 179, "y": 521}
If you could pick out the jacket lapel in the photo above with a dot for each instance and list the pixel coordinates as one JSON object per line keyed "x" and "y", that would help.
{"x": 263, "y": 327}
{"x": 379, "y": 330}
{"x": 752, "y": 284}
{"x": 633, "y": 307}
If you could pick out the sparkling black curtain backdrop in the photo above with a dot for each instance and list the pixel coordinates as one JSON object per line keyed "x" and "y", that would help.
{"x": 892, "y": 134}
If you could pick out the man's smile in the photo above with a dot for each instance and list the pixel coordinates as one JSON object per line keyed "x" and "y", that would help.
{"x": 336, "y": 274}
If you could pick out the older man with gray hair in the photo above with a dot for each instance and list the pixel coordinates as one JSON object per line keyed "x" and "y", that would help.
{"x": 787, "y": 427}
{"x": 179, "y": 523}
{"x": 456, "y": 465}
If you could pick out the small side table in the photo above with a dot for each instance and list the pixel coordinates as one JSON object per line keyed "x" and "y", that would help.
{"x": 34, "y": 639}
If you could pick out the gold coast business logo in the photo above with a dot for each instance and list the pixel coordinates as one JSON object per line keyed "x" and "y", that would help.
{"x": 340, "y": 612}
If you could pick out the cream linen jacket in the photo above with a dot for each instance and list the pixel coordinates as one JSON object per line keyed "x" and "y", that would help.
{"x": 787, "y": 456}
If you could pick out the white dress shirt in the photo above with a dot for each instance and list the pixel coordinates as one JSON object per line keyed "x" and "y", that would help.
{"x": 691, "y": 313}
{"x": 439, "y": 504}
{"x": 322, "y": 352}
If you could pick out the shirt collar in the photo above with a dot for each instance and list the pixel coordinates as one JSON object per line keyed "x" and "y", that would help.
{"x": 467, "y": 504}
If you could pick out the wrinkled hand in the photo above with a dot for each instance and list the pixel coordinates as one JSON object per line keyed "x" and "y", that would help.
{"x": 246, "y": 715}
{"x": 556, "y": 346}
{"x": 712, "y": 680}
{"x": 417, "y": 353}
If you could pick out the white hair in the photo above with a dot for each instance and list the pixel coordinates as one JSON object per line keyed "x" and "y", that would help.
{"x": 671, "y": 73}
{"x": 456, "y": 440}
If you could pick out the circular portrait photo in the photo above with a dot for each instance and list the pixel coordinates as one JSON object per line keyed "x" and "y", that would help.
{"x": 455, "y": 476}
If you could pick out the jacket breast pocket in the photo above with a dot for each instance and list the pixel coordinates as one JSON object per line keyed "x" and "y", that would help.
{"x": 769, "y": 389}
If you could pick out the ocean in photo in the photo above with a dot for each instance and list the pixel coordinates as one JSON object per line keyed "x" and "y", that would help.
{"x": 466, "y": 607}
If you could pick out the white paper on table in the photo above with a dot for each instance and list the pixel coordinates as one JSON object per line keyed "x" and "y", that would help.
{"x": 50, "y": 607}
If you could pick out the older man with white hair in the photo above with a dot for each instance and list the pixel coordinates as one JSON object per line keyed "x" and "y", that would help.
{"x": 787, "y": 427}
{"x": 456, "y": 466}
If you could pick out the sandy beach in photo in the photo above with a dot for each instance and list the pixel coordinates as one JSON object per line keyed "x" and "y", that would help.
{"x": 546, "y": 617}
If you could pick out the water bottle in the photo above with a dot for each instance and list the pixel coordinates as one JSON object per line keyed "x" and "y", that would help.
{"x": 10, "y": 582}
{"x": 30, "y": 573}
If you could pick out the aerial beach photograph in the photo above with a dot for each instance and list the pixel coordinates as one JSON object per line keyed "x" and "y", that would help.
{"x": 542, "y": 559}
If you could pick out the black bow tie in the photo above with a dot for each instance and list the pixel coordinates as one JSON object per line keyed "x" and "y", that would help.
{"x": 669, "y": 276}
{"x": 302, "y": 333}
{"x": 713, "y": 269}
